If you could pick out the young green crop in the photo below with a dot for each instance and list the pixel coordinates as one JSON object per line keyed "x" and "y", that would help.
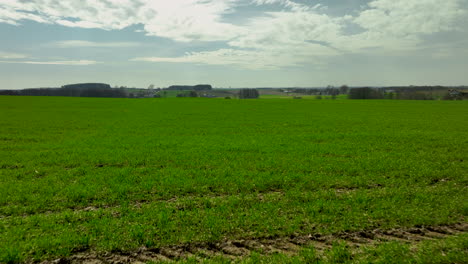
{"x": 117, "y": 174}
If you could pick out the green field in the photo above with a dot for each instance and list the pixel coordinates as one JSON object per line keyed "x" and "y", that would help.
{"x": 88, "y": 176}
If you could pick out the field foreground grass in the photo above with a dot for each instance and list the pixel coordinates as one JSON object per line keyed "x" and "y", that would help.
{"x": 354, "y": 181}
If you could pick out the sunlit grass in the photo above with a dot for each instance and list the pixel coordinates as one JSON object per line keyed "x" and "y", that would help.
{"x": 118, "y": 174}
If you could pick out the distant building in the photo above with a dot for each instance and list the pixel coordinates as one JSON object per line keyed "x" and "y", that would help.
{"x": 457, "y": 94}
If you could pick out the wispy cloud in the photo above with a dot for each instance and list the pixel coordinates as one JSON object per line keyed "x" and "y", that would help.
{"x": 8, "y": 55}
{"x": 241, "y": 58}
{"x": 91, "y": 44}
{"x": 254, "y": 59}
{"x": 71, "y": 63}
{"x": 286, "y": 3}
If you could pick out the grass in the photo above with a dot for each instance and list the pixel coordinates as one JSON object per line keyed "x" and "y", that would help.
{"x": 117, "y": 174}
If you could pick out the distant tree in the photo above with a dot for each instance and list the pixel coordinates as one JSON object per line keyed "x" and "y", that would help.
{"x": 192, "y": 94}
{"x": 187, "y": 94}
{"x": 248, "y": 94}
{"x": 151, "y": 87}
{"x": 330, "y": 90}
{"x": 365, "y": 93}
{"x": 9, "y": 92}
{"x": 389, "y": 95}
{"x": 344, "y": 89}
{"x": 202, "y": 87}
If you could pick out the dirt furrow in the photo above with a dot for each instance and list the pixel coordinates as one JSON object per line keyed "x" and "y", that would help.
{"x": 236, "y": 249}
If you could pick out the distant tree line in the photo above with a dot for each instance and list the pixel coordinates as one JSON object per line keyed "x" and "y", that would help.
{"x": 74, "y": 90}
{"x": 365, "y": 93}
{"x": 404, "y": 93}
{"x": 248, "y": 94}
{"x": 329, "y": 90}
{"x": 198, "y": 87}
{"x": 413, "y": 88}
{"x": 87, "y": 86}
{"x": 392, "y": 92}
{"x": 188, "y": 94}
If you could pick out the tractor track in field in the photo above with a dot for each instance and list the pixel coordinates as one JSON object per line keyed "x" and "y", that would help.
{"x": 140, "y": 203}
{"x": 237, "y": 249}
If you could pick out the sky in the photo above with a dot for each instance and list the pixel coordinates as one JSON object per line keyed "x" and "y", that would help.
{"x": 233, "y": 43}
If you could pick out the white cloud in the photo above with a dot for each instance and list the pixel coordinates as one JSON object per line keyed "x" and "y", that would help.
{"x": 112, "y": 14}
{"x": 189, "y": 20}
{"x": 403, "y": 17}
{"x": 91, "y": 44}
{"x": 290, "y": 38}
{"x": 400, "y": 25}
{"x": 298, "y": 34}
{"x": 182, "y": 20}
{"x": 9, "y": 15}
{"x": 281, "y": 30}
{"x": 71, "y": 63}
